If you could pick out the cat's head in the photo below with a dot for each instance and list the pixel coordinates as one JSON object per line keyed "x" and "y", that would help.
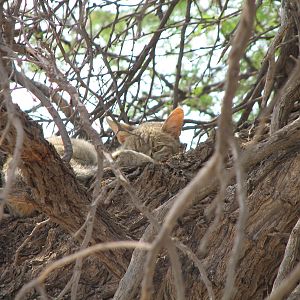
{"x": 156, "y": 139}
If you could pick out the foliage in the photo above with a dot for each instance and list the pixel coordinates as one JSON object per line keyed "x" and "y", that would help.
{"x": 122, "y": 56}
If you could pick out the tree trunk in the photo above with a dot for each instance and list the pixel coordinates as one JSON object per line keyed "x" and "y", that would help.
{"x": 273, "y": 185}
{"x": 57, "y": 193}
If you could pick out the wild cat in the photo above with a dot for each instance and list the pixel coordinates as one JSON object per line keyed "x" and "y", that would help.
{"x": 148, "y": 142}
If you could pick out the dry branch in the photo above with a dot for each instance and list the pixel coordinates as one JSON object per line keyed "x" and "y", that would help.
{"x": 287, "y": 285}
{"x": 66, "y": 200}
{"x": 119, "y": 84}
{"x": 290, "y": 256}
{"x": 80, "y": 254}
{"x": 12, "y": 119}
{"x": 209, "y": 171}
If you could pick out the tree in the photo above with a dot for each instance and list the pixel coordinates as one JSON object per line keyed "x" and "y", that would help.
{"x": 220, "y": 220}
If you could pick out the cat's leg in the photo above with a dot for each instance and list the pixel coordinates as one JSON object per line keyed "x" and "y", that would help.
{"x": 131, "y": 158}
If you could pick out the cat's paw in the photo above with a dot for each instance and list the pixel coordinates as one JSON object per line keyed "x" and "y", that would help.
{"x": 131, "y": 158}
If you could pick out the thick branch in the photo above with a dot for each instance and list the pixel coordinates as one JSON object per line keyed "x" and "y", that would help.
{"x": 57, "y": 193}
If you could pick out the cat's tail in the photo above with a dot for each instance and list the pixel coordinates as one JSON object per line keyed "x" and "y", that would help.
{"x": 84, "y": 173}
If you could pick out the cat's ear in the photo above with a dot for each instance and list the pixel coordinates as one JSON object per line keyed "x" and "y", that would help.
{"x": 174, "y": 122}
{"x": 122, "y": 131}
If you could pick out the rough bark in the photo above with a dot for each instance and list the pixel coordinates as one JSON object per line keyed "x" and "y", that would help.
{"x": 57, "y": 193}
{"x": 273, "y": 167}
{"x": 273, "y": 185}
{"x": 274, "y": 209}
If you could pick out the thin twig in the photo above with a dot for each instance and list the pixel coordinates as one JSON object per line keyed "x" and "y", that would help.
{"x": 35, "y": 229}
{"x": 287, "y": 285}
{"x": 80, "y": 254}
{"x": 290, "y": 256}
{"x": 180, "y": 55}
{"x": 253, "y": 154}
{"x": 236, "y": 252}
{"x": 26, "y": 82}
{"x": 192, "y": 256}
{"x": 225, "y": 130}
{"x": 15, "y": 121}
